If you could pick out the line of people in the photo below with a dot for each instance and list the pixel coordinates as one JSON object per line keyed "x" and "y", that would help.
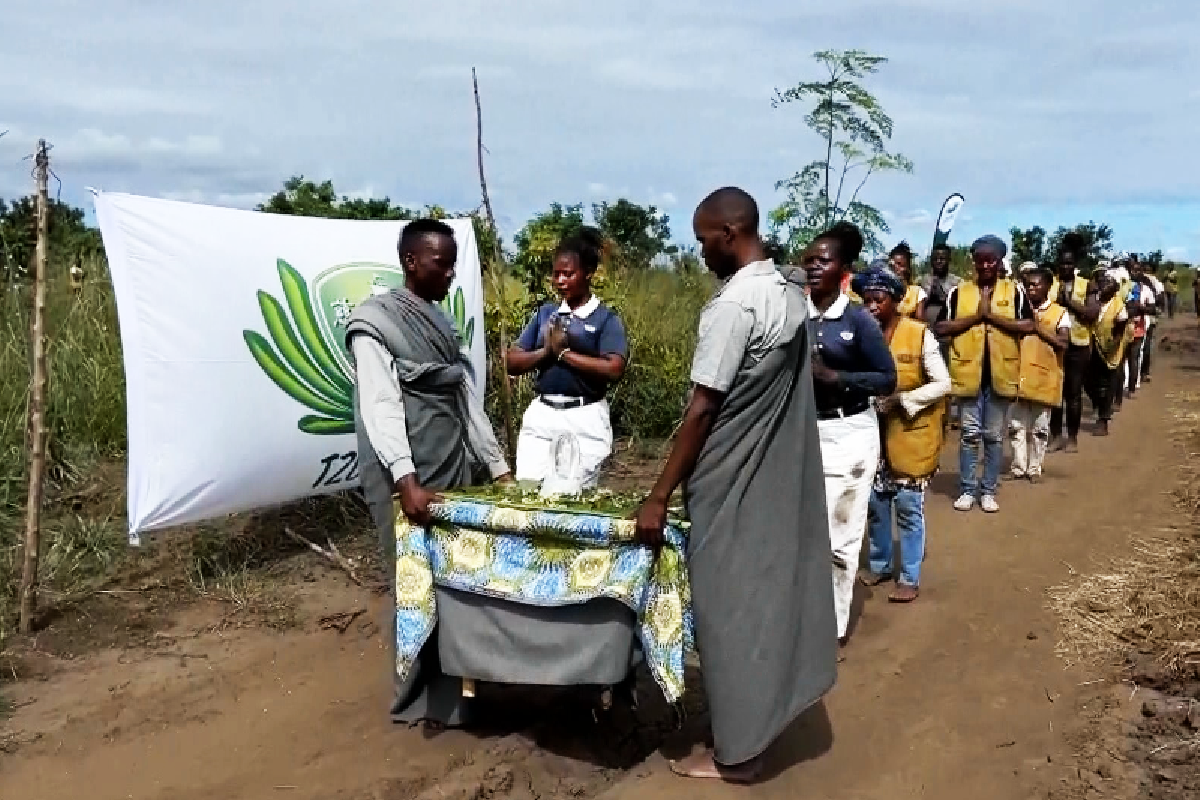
{"x": 818, "y": 411}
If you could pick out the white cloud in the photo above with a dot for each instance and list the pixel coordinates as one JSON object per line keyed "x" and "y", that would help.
{"x": 170, "y": 98}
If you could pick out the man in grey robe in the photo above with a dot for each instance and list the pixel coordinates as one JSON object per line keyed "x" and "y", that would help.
{"x": 420, "y": 429}
{"x": 749, "y": 454}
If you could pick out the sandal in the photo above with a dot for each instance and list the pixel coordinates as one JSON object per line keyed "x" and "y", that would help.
{"x": 903, "y": 593}
{"x": 868, "y": 578}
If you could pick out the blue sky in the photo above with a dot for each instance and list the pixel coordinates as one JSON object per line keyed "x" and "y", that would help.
{"x": 1039, "y": 113}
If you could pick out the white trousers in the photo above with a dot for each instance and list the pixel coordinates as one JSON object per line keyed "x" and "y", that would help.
{"x": 542, "y": 424}
{"x": 1029, "y": 431}
{"x": 850, "y": 453}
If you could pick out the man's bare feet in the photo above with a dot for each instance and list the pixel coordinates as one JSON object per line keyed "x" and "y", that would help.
{"x": 704, "y": 765}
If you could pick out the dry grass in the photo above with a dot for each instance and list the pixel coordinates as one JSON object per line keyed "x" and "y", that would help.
{"x": 1149, "y": 599}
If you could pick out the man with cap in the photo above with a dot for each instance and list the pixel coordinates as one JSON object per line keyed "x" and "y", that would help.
{"x": 985, "y": 318}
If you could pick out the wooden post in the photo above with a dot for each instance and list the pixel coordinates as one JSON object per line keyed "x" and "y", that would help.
{"x": 37, "y": 398}
{"x": 498, "y": 276}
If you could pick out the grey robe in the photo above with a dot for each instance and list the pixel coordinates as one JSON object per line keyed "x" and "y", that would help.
{"x": 758, "y": 555}
{"x": 431, "y": 368}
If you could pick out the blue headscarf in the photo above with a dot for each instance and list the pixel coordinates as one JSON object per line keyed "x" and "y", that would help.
{"x": 879, "y": 278}
{"x": 992, "y": 243}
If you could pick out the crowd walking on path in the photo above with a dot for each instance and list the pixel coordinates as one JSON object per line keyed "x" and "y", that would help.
{"x": 822, "y": 398}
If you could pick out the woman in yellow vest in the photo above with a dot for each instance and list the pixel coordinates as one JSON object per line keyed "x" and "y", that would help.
{"x": 986, "y": 318}
{"x": 1041, "y": 376}
{"x": 913, "y": 303}
{"x": 1110, "y": 336}
{"x": 911, "y": 422}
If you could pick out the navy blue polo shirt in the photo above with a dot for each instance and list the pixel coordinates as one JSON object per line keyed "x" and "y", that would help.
{"x": 851, "y": 343}
{"x": 598, "y": 333}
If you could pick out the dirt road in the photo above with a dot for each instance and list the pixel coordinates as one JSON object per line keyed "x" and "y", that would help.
{"x": 958, "y": 696}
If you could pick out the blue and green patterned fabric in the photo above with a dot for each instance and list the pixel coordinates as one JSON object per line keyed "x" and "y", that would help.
{"x": 544, "y": 558}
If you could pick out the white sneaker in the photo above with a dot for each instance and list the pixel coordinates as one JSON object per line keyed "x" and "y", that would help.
{"x": 965, "y": 503}
{"x": 989, "y": 504}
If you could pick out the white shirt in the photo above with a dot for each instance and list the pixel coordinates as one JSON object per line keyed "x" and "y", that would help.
{"x": 835, "y": 310}
{"x": 1123, "y": 314}
{"x": 381, "y": 404}
{"x": 747, "y": 316}
{"x": 1151, "y": 296}
{"x": 1064, "y": 322}
{"x": 584, "y": 311}
{"x": 938, "y": 385}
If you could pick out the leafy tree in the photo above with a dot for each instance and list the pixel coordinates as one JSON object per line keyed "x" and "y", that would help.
{"x": 70, "y": 236}
{"x": 639, "y": 233}
{"x": 536, "y": 242}
{"x": 1097, "y": 242}
{"x": 855, "y": 130}
{"x": 1028, "y": 245}
{"x": 305, "y": 198}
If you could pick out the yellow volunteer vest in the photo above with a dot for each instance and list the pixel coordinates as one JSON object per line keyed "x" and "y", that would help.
{"x": 1041, "y": 365}
{"x": 1111, "y": 348}
{"x": 912, "y": 446}
{"x": 1081, "y": 334}
{"x": 908, "y": 306}
{"x": 967, "y": 349}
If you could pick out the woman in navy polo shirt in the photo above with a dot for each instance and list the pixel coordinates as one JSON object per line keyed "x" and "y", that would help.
{"x": 578, "y": 349}
{"x": 851, "y": 365}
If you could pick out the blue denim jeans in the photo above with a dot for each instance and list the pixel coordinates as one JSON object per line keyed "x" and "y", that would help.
{"x": 909, "y": 505}
{"x": 984, "y": 419}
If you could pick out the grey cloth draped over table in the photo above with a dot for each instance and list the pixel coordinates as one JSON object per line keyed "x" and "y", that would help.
{"x": 482, "y": 637}
{"x": 758, "y": 553}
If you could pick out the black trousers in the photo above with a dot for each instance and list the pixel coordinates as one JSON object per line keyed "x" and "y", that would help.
{"x": 1133, "y": 355}
{"x": 1075, "y": 366}
{"x": 1148, "y": 351}
{"x": 1098, "y": 383}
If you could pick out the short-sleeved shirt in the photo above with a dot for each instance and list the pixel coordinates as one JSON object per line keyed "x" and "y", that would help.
{"x": 593, "y": 329}
{"x": 746, "y": 317}
{"x": 851, "y": 343}
{"x": 1023, "y": 311}
{"x": 936, "y": 291}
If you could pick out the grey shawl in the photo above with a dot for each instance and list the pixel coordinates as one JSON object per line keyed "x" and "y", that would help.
{"x": 758, "y": 555}
{"x": 431, "y": 369}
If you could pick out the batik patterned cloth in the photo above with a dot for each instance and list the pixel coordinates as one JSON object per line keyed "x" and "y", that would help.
{"x": 544, "y": 558}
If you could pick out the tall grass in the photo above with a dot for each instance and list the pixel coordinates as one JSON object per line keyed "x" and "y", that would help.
{"x": 86, "y": 410}
{"x": 85, "y": 418}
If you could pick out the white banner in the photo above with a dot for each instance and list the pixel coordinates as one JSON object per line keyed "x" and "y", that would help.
{"x": 238, "y": 384}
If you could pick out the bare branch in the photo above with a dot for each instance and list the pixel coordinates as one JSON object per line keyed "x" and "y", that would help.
{"x": 510, "y": 437}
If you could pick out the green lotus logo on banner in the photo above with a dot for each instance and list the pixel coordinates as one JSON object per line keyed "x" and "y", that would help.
{"x": 306, "y": 355}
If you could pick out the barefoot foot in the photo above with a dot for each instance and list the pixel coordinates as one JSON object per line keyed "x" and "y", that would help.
{"x": 704, "y": 765}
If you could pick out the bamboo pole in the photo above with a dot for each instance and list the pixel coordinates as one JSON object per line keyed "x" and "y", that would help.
{"x": 37, "y": 398}
{"x": 498, "y": 276}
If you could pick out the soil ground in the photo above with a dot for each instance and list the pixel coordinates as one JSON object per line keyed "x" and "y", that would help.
{"x": 138, "y": 694}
